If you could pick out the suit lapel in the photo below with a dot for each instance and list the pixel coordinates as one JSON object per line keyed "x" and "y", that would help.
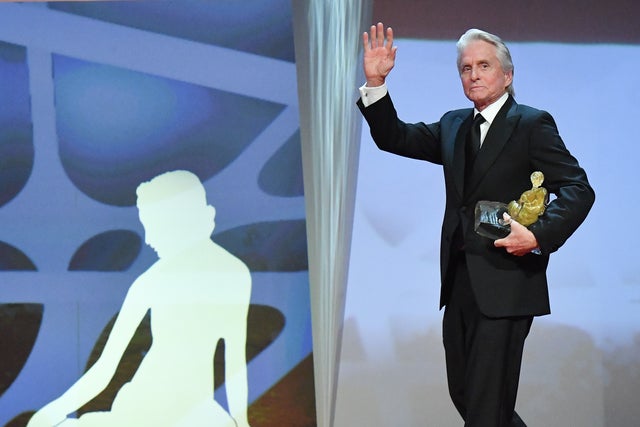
{"x": 498, "y": 135}
{"x": 454, "y": 150}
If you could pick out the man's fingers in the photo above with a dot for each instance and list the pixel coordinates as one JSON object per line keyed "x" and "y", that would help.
{"x": 375, "y": 37}
{"x": 365, "y": 41}
{"x": 506, "y": 219}
{"x": 389, "y": 38}
{"x": 380, "y": 34}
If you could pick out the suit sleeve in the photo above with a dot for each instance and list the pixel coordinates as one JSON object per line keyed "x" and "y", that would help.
{"x": 565, "y": 179}
{"x": 416, "y": 141}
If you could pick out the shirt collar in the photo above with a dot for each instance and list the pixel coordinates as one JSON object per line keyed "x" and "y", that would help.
{"x": 491, "y": 111}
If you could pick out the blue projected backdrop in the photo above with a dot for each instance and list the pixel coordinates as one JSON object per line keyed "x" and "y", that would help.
{"x": 99, "y": 97}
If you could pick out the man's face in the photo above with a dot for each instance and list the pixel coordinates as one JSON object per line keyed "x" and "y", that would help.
{"x": 483, "y": 79}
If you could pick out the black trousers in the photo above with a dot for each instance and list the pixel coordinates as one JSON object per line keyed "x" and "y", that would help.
{"x": 483, "y": 357}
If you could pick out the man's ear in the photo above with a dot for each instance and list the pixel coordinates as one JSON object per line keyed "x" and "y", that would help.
{"x": 509, "y": 78}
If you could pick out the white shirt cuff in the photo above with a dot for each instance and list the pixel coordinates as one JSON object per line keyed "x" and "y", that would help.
{"x": 369, "y": 95}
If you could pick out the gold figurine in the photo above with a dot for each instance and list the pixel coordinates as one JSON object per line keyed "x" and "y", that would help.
{"x": 532, "y": 203}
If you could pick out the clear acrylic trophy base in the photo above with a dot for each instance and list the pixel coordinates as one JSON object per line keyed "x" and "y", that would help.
{"x": 488, "y": 220}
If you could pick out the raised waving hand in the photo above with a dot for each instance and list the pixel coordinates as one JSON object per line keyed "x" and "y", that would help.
{"x": 379, "y": 54}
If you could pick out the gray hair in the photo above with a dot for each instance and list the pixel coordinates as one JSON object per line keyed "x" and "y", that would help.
{"x": 502, "y": 51}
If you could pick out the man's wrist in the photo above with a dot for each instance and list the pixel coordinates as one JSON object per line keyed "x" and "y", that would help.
{"x": 374, "y": 83}
{"x": 370, "y": 95}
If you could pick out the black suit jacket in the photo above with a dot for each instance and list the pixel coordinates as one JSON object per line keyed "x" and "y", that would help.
{"x": 520, "y": 140}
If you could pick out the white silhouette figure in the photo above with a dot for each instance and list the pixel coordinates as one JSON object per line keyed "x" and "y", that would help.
{"x": 197, "y": 294}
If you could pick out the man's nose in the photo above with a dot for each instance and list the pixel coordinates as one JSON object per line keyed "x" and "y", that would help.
{"x": 474, "y": 73}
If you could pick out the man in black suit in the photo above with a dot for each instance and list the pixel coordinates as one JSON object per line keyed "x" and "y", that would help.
{"x": 491, "y": 289}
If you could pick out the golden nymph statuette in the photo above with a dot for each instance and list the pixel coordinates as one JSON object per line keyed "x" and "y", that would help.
{"x": 489, "y": 221}
{"x": 531, "y": 203}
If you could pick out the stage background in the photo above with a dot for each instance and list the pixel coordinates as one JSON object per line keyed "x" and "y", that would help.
{"x": 99, "y": 96}
{"x": 575, "y": 59}
{"x": 582, "y": 363}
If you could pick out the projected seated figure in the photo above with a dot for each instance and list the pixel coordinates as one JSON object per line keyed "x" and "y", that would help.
{"x": 197, "y": 294}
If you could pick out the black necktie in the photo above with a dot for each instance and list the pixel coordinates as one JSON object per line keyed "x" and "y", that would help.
{"x": 473, "y": 139}
{"x": 472, "y": 145}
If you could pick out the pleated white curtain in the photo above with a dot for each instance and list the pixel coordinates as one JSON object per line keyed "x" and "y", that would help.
{"x": 328, "y": 46}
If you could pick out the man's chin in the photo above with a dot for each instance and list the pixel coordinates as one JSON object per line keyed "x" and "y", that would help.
{"x": 475, "y": 95}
